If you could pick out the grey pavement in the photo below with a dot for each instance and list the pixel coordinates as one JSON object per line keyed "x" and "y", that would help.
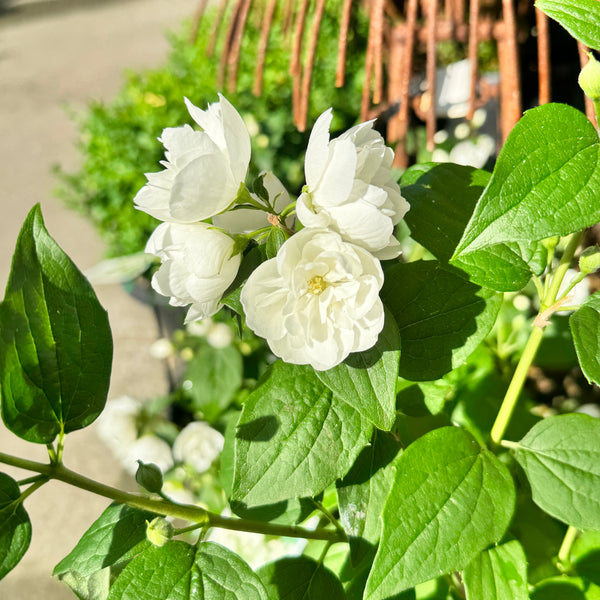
{"x": 67, "y": 54}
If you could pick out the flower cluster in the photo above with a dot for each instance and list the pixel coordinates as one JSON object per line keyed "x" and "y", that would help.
{"x": 317, "y": 300}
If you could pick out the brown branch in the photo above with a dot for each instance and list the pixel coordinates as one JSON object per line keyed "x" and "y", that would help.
{"x": 310, "y": 61}
{"x": 377, "y": 19}
{"x": 431, "y": 72}
{"x": 342, "y": 43}
{"x": 196, "y": 20}
{"x": 543, "y": 44}
{"x": 295, "y": 60}
{"x": 228, "y": 43}
{"x": 262, "y": 47}
{"x": 234, "y": 55}
{"x": 473, "y": 45}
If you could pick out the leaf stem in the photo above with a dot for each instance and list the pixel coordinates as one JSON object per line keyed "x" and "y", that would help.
{"x": 567, "y": 543}
{"x": 329, "y": 516}
{"x": 547, "y": 306}
{"x": 186, "y": 512}
{"x": 32, "y": 488}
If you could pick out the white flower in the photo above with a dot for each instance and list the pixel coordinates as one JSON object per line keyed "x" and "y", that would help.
{"x": 198, "y": 444}
{"x": 197, "y": 266}
{"x": 204, "y": 169}
{"x": 247, "y": 220}
{"x": 350, "y": 188}
{"x": 118, "y": 424}
{"x": 220, "y": 336}
{"x": 149, "y": 449}
{"x": 317, "y": 300}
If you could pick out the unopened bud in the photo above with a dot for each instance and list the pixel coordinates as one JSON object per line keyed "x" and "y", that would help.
{"x": 149, "y": 476}
{"x": 589, "y": 261}
{"x": 589, "y": 79}
{"x": 159, "y": 531}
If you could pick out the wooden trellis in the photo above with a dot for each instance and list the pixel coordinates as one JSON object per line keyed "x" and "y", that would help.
{"x": 395, "y": 28}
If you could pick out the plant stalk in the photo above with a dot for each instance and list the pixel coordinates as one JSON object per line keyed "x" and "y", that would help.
{"x": 565, "y": 548}
{"x": 533, "y": 343}
{"x": 186, "y": 512}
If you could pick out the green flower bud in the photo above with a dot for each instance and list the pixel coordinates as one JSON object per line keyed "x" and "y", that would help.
{"x": 148, "y": 475}
{"x": 589, "y": 261}
{"x": 589, "y": 79}
{"x": 159, "y": 531}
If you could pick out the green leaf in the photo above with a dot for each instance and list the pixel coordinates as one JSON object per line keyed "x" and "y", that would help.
{"x": 581, "y": 18}
{"x": 585, "y": 556}
{"x": 275, "y": 240}
{"x": 111, "y": 537}
{"x": 441, "y": 317}
{"x": 212, "y": 378}
{"x": 293, "y": 429}
{"x": 585, "y": 327}
{"x": 499, "y": 573}
{"x": 561, "y": 458}
{"x": 300, "y": 578}
{"x": 178, "y": 571}
{"x": 89, "y": 587}
{"x": 544, "y": 183}
{"x": 367, "y": 380}
{"x": 450, "y": 499}
{"x": 55, "y": 341}
{"x": 15, "y": 526}
{"x": 362, "y": 494}
{"x": 561, "y": 588}
{"x": 442, "y": 198}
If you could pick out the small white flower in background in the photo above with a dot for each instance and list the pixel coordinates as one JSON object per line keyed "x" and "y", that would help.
{"x": 149, "y": 449}
{"x": 199, "y": 328}
{"x": 198, "y": 445}
{"x": 117, "y": 425}
{"x": 474, "y": 153}
{"x": 247, "y": 220}
{"x": 161, "y": 349}
{"x": 197, "y": 266}
{"x": 350, "y": 188}
{"x": 220, "y": 336}
{"x": 317, "y": 300}
{"x": 204, "y": 169}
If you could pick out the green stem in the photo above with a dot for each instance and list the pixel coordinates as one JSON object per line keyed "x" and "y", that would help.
{"x": 516, "y": 385}
{"x": 32, "y": 479}
{"x": 567, "y": 543}
{"x": 533, "y": 343}
{"x": 329, "y": 516}
{"x": 32, "y": 488}
{"x": 187, "y": 512}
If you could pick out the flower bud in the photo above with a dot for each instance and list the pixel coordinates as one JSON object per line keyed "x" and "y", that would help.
{"x": 159, "y": 531}
{"x": 149, "y": 476}
{"x": 589, "y": 79}
{"x": 589, "y": 261}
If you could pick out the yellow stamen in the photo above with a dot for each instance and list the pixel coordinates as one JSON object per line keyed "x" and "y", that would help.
{"x": 316, "y": 285}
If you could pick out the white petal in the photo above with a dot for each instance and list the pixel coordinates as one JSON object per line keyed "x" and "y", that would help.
{"x": 237, "y": 139}
{"x": 338, "y": 177}
{"x": 317, "y": 152}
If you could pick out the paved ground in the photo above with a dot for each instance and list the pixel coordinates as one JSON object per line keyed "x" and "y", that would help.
{"x": 52, "y": 54}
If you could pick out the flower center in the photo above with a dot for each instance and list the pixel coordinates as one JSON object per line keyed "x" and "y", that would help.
{"x": 316, "y": 285}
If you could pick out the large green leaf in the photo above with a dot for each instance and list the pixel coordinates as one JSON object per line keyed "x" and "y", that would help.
{"x": 585, "y": 327}
{"x": 55, "y": 341}
{"x": 15, "y": 526}
{"x": 178, "y": 571}
{"x": 300, "y": 578}
{"x": 294, "y": 438}
{"x": 561, "y": 458}
{"x": 544, "y": 184}
{"x": 362, "y": 494}
{"x": 450, "y": 499}
{"x": 499, "y": 573}
{"x": 581, "y": 18}
{"x": 112, "y": 536}
{"x": 442, "y": 198}
{"x": 89, "y": 587}
{"x": 367, "y": 380}
{"x": 441, "y": 316}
